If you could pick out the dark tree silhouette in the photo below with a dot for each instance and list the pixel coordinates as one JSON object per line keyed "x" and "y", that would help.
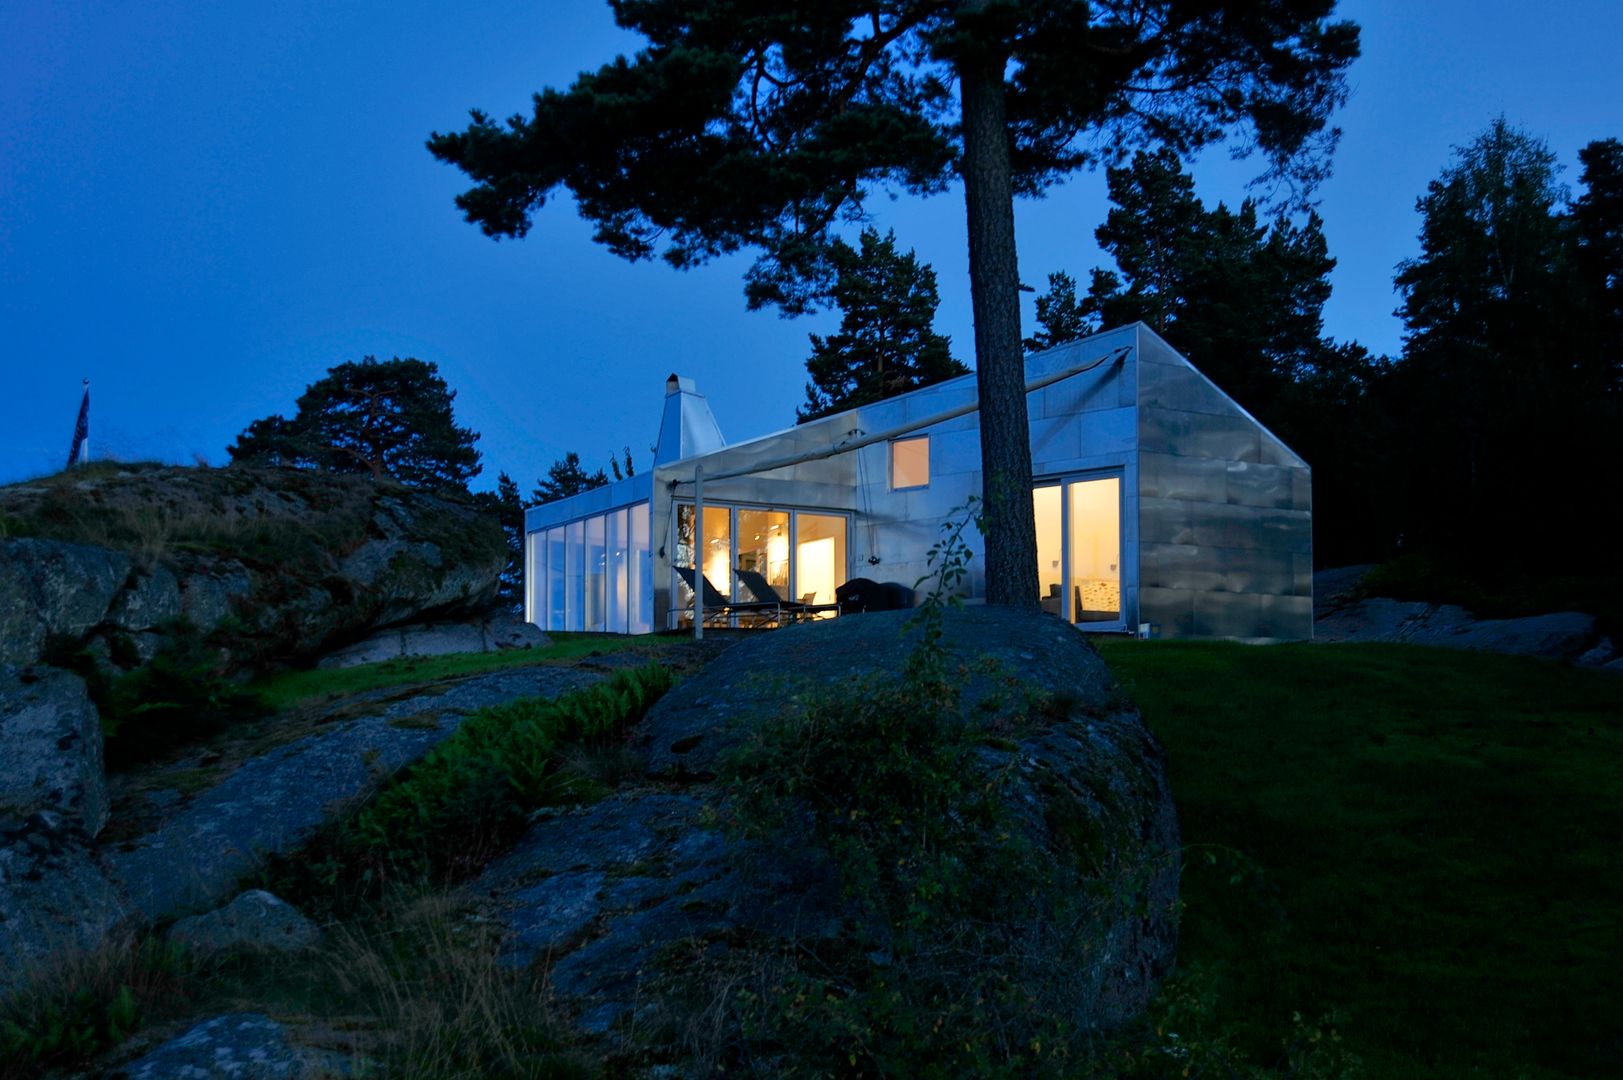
{"x": 391, "y": 418}
{"x": 886, "y": 344}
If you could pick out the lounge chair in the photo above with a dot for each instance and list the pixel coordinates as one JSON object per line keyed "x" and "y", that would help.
{"x": 787, "y": 610}
{"x": 718, "y": 607}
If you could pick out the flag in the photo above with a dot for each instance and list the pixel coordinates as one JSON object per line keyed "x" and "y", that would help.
{"x": 81, "y": 432}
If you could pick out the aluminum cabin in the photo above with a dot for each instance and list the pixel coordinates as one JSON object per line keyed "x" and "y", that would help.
{"x": 1161, "y": 506}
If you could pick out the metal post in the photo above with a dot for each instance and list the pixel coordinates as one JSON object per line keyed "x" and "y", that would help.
{"x": 698, "y": 557}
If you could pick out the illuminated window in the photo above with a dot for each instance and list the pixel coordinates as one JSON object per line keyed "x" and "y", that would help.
{"x": 910, "y": 463}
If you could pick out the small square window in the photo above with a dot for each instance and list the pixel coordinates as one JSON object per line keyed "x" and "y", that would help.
{"x": 910, "y": 463}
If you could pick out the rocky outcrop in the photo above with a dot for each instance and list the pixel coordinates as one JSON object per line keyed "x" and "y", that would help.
{"x": 1344, "y": 614}
{"x": 256, "y": 921}
{"x": 236, "y": 1046}
{"x": 51, "y": 591}
{"x": 50, "y": 749}
{"x": 274, "y": 802}
{"x": 600, "y": 895}
{"x": 270, "y": 565}
{"x": 56, "y": 895}
{"x": 437, "y": 639}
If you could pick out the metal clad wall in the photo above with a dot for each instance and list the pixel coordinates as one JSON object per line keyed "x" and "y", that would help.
{"x": 1225, "y": 512}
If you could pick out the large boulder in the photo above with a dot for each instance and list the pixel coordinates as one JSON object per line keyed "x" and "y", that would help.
{"x": 256, "y": 921}
{"x": 605, "y": 896}
{"x": 56, "y": 896}
{"x": 50, "y": 749}
{"x": 53, "y": 591}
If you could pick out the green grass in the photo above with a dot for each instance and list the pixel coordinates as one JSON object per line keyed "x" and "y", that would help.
{"x": 1424, "y": 841}
{"x": 294, "y": 687}
{"x": 468, "y": 798}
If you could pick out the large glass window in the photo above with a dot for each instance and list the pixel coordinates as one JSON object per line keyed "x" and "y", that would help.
{"x": 641, "y": 576}
{"x": 596, "y": 574}
{"x": 615, "y": 551}
{"x": 555, "y": 579}
{"x": 763, "y": 546}
{"x": 1045, "y": 502}
{"x": 575, "y": 575}
{"x": 910, "y": 462}
{"x": 820, "y": 561}
{"x": 1079, "y": 550}
{"x": 1095, "y": 550}
{"x": 715, "y": 550}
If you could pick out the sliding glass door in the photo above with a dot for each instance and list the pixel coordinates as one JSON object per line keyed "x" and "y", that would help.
{"x": 1079, "y": 550}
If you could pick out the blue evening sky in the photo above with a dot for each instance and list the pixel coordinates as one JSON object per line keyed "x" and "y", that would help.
{"x": 203, "y": 206}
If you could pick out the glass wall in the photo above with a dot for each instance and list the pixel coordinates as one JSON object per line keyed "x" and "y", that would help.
{"x": 614, "y": 548}
{"x": 594, "y": 574}
{"x": 555, "y": 580}
{"x": 640, "y": 577}
{"x": 807, "y": 568}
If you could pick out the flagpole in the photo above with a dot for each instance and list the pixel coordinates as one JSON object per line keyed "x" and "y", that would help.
{"x": 85, "y": 460}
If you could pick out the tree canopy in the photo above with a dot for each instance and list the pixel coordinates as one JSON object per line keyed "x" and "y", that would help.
{"x": 886, "y": 344}
{"x": 383, "y": 418}
{"x": 753, "y": 124}
{"x": 1507, "y": 389}
{"x": 566, "y": 477}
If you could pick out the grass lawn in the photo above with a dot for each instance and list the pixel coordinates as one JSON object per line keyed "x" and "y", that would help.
{"x": 1426, "y": 843}
{"x": 294, "y": 687}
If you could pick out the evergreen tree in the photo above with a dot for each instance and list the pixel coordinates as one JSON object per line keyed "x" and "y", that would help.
{"x": 566, "y": 477}
{"x": 1062, "y": 317}
{"x": 1505, "y": 423}
{"x": 391, "y": 418}
{"x": 886, "y": 344}
{"x": 1242, "y": 299}
{"x": 1598, "y": 218}
{"x": 750, "y": 123}
{"x": 505, "y": 505}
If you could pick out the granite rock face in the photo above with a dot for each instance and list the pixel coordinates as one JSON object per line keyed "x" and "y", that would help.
{"x": 236, "y": 1046}
{"x": 255, "y": 921}
{"x": 56, "y": 895}
{"x": 599, "y": 894}
{"x": 54, "y": 591}
{"x": 438, "y": 639}
{"x": 50, "y": 749}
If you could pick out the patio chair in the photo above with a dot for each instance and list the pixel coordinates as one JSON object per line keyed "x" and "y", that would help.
{"x": 718, "y": 607}
{"x": 787, "y": 610}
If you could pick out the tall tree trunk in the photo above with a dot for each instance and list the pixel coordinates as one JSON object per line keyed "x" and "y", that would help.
{"x": 994, "y": 281}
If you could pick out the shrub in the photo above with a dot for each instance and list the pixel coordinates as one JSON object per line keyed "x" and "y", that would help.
{"x": 86, "y": 1002}
{"x": 468, "y": 796}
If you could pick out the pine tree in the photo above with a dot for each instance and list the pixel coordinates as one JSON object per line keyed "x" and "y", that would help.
{"x": 1061, "y": 316}
{"x": 752, "y": 123}
{"x": 566, "y": 477}
{"x": 886, "y": 344}
{"x": 391, "y": 418}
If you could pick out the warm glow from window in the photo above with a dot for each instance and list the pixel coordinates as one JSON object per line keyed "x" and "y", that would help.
{"x": 910, "y": 462}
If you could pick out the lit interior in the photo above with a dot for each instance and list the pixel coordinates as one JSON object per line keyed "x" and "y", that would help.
{"x": 1095, "y": 507}
{"x": 910, "y": 462}
{"x": 819, "y": 557}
